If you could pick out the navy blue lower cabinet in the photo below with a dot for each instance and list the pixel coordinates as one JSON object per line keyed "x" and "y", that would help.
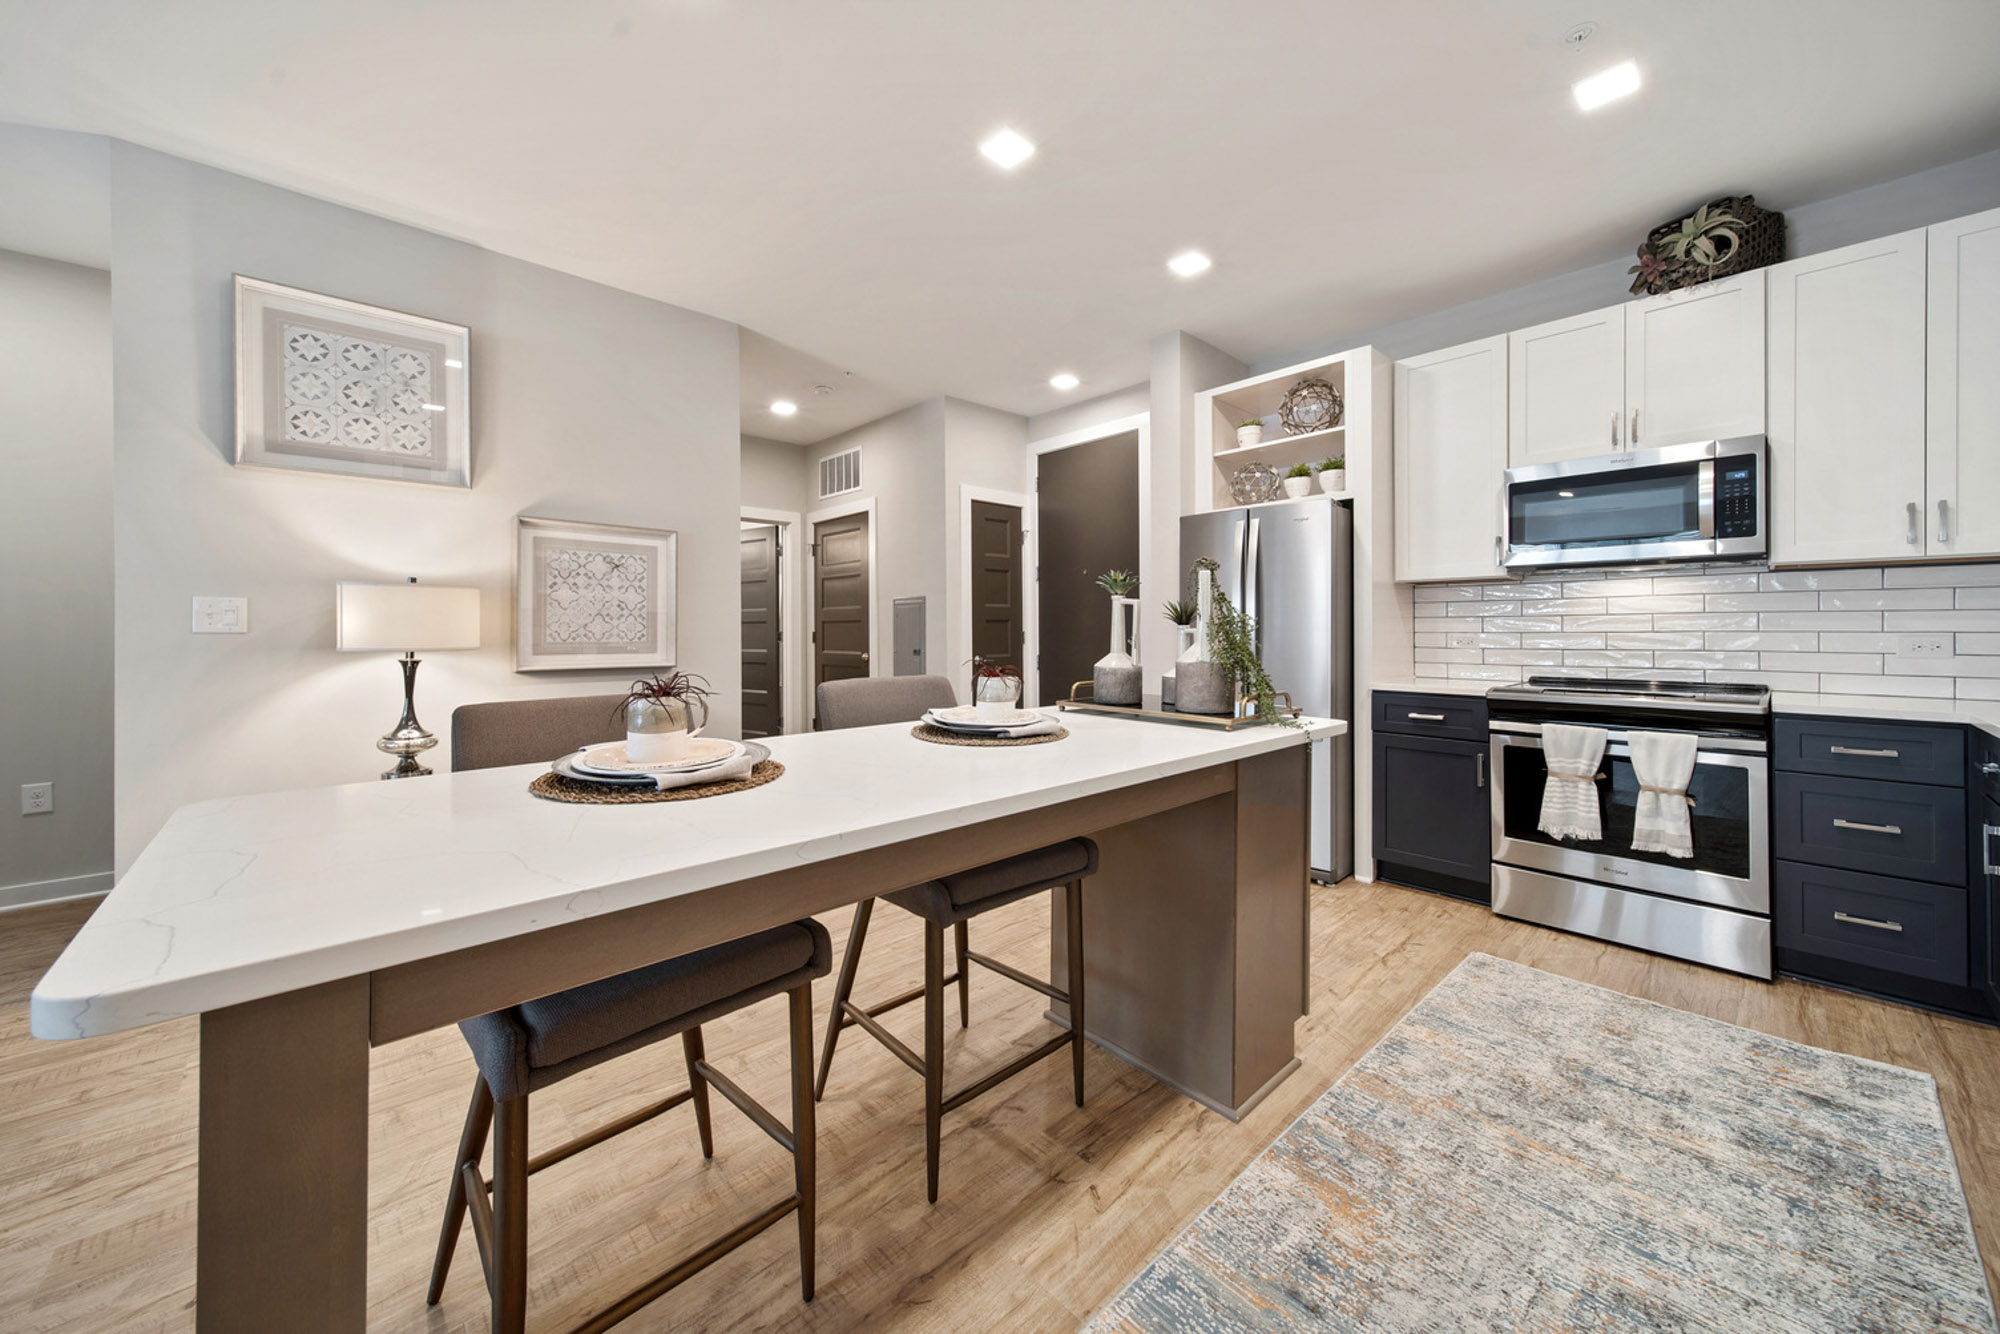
{"x": 1908, "y": 927}
{"x": 1912, "y": 830}
{"x": 1433, "y": 814}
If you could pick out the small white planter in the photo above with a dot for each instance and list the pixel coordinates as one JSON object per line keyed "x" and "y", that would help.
{"x": 1298, "y": 488}
{"x": 1332, "y": 479}
{"x": 1253, "y": 434}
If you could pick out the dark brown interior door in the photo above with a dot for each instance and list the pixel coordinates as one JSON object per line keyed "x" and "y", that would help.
{"x": 998, "y": 631}
{"x": 840, "y": 599}
{"x": 763, "y": 662}
{"x": 1087, "y": 503}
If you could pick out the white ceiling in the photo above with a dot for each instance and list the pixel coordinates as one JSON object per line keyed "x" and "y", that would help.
{"x": 810, "y": 171}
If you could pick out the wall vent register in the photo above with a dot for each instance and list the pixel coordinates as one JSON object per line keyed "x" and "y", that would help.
{"x": 840, "y": 474}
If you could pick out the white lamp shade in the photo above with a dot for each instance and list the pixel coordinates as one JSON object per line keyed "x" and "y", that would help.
{"x": 404, "y": 617}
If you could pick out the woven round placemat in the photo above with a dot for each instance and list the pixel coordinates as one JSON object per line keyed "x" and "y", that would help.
{"x": 555, "y": 787}
{"x": 939, "y": 736}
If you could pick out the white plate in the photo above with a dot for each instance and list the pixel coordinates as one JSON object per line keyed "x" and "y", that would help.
{"x": 703, "y": 752}
{"x": 967, "y": 718}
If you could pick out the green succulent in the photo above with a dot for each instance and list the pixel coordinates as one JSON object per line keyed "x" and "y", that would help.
{"x": 1180, "y": 613}
{"x": 1119, "y": 583}
{"x": 1250, "y": 421}
{"x": 1705, "y": 238}
{"x": 1300, "y": 470}
{"x": 1329, "y": 465}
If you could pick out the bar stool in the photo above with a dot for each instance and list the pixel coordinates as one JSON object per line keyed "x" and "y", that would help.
{"x": 953, "y": 901}
{"x": 526, "y": 1048}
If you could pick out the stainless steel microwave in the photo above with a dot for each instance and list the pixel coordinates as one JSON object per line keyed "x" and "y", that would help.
{"x": 1702, "y": 501}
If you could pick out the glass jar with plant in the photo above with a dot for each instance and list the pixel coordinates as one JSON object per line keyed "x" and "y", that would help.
{"x": 1249, "y": 432}
{"x": 996, "y": 688}
{"x": 1115, "y": 679}
{"x": 1332, "y": 474}
{"x": 660, "y": 716}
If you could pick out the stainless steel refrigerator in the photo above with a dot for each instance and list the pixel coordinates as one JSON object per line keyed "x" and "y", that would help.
{"x": 1289, "y": 566}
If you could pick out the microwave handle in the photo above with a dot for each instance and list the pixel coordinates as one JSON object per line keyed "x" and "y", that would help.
{"x": 1705, "y": 498}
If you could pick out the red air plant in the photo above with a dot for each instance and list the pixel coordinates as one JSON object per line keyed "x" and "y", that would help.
{"x": 982, "y": 670}
{"x": 682, "y": 686}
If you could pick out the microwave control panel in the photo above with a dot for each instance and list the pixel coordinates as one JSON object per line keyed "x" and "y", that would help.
{"x": 1736, "y": 497}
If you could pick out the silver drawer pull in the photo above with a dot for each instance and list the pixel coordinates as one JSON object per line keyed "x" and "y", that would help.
{"x": 1867, "y": 828}
{"x": 1428, "y": 717}
{"x": 1868, "y": 921}
{"x": 1871, "y": 754}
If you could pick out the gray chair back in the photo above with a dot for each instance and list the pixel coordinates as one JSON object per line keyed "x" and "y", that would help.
{"x": 530, "y": 731}
{"x": 881, "y": 699}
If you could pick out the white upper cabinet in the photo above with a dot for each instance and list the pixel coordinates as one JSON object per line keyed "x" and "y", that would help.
{"x": 1694, "y": 364}
{"x": 1566, "y": 388}
{"x": 1846, "y": 379}
{"x": 1963, "y": 454}
{"x": 1451, "y": 455}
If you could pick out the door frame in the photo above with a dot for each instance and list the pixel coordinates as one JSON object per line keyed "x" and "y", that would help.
{"x": 1141, "y": 422}
{"x": 814, "y": 518}
{"x": 791, "y": 607}
{"x": 958, "y": 635}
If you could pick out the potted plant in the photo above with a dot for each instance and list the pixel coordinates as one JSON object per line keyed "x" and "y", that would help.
{"x": 1249, "y": 432}
{"x": 1333, "y": 474}
{"x": 1222, "y": 670}
{"x": 1114, "y": 678}
{"x": 996, "y": 688}
{"x": 659, "y": 716}
{"x": 1299, "y": 481}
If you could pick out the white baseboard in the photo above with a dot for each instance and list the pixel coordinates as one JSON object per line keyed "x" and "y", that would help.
{"x": 54, "y": 891}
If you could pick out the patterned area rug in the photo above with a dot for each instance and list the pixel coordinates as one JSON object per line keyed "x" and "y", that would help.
{"x": 1522, "y": 1151}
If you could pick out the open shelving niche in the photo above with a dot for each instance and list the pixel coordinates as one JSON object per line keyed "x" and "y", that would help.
{"x": 1383, "y": 609}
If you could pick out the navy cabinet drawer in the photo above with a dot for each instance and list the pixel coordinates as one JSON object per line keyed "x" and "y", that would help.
{"x": 1899, "y": 925}
{"x": 1459, "y": 716}
{"x": 1905, "y": 752}
{"x": 1900, "y": 829}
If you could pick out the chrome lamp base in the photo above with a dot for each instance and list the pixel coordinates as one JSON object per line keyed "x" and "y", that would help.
{"x": 409, "y": 739}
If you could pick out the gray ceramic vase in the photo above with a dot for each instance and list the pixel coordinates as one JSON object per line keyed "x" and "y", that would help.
{"x": 1115, "y": 685}
{"x": 1204, "y": 687}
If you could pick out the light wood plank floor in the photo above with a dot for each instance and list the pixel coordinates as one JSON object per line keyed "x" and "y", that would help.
{"x": 1045, "y": 1210}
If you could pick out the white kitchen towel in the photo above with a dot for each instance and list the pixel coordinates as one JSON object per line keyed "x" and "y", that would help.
{"x": 1569, "y": 797}
{"x": 1663, "y": 762}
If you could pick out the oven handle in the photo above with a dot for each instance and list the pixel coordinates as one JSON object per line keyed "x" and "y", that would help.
{"x": 1505, "y": 727}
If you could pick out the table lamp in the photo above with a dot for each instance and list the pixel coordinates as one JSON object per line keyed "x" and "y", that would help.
{"x": 405, "y": 617}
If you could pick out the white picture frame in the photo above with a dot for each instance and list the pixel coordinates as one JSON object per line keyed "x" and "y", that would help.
{"x": 594, "y": 596}
{"x": 331, "y": 386}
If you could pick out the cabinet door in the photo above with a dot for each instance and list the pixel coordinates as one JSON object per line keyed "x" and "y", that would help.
{"x": 1989, "y": 865}
{"x": 1566, "y": 388}
{"x": 1694, "y": 363}
{"x": 1451, "y": 462}
{"x": 1846, "y": 381}
{"x": 1433, "y": 808}
{"x": 1964, "y": 419}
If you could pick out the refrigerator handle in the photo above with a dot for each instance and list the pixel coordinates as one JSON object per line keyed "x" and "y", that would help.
{"x": 1250, "y": 572}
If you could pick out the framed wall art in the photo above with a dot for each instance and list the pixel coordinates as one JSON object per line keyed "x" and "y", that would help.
{"x": 593, "y": 596}
{"x": 332, "y": 386}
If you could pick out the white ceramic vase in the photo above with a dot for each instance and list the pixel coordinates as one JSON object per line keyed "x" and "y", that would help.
{"x": 1298, "y": 488}
{"x": 1249, "y": 436}
{"x": 996, "y": 697}
{"x": 1115, "y": 678}
{"x": 1332, "y": 480}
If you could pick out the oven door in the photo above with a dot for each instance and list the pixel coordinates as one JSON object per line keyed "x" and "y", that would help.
{"x": 1731, "y": 823}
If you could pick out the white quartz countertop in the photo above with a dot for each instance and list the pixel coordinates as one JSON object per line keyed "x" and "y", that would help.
{"x": 245, "y": 897}
{"x": 1434, "y": 685}
{"x": 1982, "y": 714}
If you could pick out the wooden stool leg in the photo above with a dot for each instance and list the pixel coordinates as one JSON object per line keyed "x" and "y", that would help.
{"x": 691, "y": 1047}
{"x": 471, "y": 1143}
{"x": 963, "y": 941}
{"x": 510, "y": 1216}
{"x": 933, "y": 1051}
{"x": 843, "y": 989}
{"x": 805, "y": 1165}
{"x": 1073, "y": 908}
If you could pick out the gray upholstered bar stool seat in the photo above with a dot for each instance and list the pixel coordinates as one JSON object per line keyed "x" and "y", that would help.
{"x": 953, "y": 901}
{"x": 528, "y": 1047}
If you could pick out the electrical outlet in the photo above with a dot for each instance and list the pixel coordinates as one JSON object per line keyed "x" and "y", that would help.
{"x": 1923, "y": 646}
{"x": 38, "y": 798}
{"x": 1466, "y": 639}
{"x": 222, "y": 616}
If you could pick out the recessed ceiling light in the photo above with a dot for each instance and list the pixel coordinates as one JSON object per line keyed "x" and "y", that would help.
{"x": 784, "y": 407}
{"x": 1190, "y": 262}
{"x": 1621, "y": 80}
{"x": 1006, "y": 149}
{"x": 1064, "y": 381}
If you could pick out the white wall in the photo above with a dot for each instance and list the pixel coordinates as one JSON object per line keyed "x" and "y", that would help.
{"x": 1182, "y": 367}
{"x": 1115, "y": 406}
{"x": 55, "y": 194}
{"x": 986, "y": 448}
{"x": 55, "y": 599}
{"x": 774, "y": 475}
{"x": 587, "y": 403}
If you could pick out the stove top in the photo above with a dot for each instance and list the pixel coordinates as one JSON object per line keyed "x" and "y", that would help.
{"x": 1639, "y": 698}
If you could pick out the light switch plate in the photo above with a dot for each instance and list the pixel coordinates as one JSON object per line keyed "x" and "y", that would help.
{"x": 222, "y": 616}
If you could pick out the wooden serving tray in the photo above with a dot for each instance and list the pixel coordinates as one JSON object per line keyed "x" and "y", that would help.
{"x": 1079, "y": 700}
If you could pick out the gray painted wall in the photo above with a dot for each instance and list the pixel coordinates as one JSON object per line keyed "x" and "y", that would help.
{"x": 55, "y": 189}
{"x": 587, "y": 403}
{"x": 774, "y": 475}
{"x": 1127, "y": 402}
{"x": 55, "y": 545}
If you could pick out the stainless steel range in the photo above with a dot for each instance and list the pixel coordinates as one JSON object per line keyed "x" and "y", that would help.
{"x": 1713, "y": 907}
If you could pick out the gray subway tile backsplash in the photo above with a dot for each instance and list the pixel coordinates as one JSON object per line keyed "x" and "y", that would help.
{"x": 1836, "y": 631}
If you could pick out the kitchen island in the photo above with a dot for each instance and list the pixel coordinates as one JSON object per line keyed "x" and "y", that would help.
{"x": 305, "y": 926}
